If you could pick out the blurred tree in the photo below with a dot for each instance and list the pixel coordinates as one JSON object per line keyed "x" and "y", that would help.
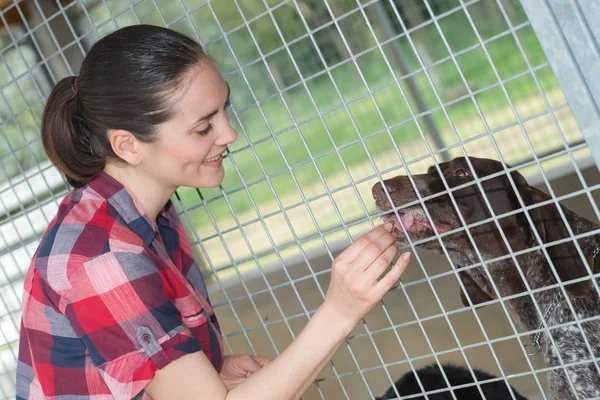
{"x": 328, "y": 39}
{"x": 22, "y": 90}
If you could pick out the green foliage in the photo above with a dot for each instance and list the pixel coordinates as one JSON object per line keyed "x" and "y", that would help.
{"x": 301, "y": 75}
{"x": 20, "y": 112}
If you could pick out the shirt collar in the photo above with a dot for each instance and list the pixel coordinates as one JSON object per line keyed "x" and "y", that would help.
{"x": 130, "y": 210}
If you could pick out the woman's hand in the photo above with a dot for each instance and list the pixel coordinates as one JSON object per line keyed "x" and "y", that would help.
{"x": 236, "y": 368}
{"x": 355, "y": 286}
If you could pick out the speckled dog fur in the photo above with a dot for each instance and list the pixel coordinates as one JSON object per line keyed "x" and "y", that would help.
{"x": 583, "y": 380}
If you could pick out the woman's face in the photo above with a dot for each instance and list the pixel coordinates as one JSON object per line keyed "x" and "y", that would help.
{"x": 188, "y": 148}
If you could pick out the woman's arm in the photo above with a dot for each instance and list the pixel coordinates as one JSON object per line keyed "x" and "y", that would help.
{"x": 354, "y": 290}
{"x": 286, "y": 377}
{"x": 309, "y": 353}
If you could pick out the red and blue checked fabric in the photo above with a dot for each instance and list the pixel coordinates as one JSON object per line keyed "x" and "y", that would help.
{"x": 110, "y": 298}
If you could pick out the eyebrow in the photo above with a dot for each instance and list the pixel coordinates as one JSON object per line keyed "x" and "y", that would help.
{"x": 211, "y": 113}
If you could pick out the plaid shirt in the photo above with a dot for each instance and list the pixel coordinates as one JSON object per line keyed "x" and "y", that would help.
{"x": 110, "y": 298}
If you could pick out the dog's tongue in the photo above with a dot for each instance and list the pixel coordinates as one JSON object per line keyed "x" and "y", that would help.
{"x": 407, "y": 221}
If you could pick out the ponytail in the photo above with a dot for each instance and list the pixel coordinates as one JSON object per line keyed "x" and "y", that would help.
{"x": 67, "y": 139}
{"x": 126, "y": 81}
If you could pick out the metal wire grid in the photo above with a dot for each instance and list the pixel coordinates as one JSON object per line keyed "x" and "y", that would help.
{"x": 338, "y": 150}
{"x": 346, "y": 228}
{"x": 13, "y": 260}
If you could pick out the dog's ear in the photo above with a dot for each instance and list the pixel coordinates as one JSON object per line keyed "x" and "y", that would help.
{"x": 475, "y": 293}
{"x": 564, "y": 256}
{"x": 551, "y": 227}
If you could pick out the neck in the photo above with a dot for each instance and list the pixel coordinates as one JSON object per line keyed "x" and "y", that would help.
{"x": 147, "y": 192}
{"x": 521, "y": 308}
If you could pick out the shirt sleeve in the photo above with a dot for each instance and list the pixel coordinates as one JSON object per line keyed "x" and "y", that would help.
{"x": 123, "y": 308}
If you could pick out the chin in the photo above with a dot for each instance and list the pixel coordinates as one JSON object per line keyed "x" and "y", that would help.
{"x": 206, "y": 184}
{"x": 205, "y": 181}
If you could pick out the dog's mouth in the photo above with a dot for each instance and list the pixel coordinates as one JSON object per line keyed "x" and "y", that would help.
{"x": 415, "y": 224}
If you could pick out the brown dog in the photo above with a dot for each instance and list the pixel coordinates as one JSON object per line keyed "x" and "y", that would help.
{"x": 583, "y": 378}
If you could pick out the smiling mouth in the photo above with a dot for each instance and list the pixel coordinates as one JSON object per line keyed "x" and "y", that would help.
{"x": 213, "y": 159}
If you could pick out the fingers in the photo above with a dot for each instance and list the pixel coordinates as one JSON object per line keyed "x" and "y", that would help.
{"x": 248, "y": 364}
{"x": 374, "y": 271}
{"x": 390, "y": 279}
{"x": 375, "y": 249}
{"x": 259, "y": 362}
{"x": 354, "y": 288}
{"x": 358, "y": 246}
{"x": 262, "y": 361}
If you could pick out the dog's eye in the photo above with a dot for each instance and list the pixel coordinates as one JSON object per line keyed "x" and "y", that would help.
{"x": 462, "y": 173}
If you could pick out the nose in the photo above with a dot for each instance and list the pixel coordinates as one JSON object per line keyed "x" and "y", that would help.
{"x": 378, "y": 193}
{"x": 227, "y": 135}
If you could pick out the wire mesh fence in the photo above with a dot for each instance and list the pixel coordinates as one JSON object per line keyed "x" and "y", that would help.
{"x": 329, "y": 97}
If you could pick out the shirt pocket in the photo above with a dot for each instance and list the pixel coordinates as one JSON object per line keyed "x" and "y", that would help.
{"x": 194, "y": 320}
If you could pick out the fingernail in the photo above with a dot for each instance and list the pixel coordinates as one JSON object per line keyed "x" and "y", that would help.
{"x": 406, "y": 256}
{"x": 388, "y": 226}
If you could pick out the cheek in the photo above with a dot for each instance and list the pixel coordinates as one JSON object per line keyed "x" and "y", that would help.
{"x": 472, "y": 215}
{"x": 443, "y": 209}
{"x": 190, "y": 151}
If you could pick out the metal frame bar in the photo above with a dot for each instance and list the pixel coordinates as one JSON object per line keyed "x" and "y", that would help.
{"x": 573, "y": 54}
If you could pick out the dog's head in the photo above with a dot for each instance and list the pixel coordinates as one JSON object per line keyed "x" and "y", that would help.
{"x": 471, "y": 206}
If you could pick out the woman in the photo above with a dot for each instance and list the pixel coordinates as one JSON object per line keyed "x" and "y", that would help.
{"x": 113, "y": 302}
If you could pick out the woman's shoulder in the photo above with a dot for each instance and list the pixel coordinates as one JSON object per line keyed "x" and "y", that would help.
{"x": 85, "y": 228}
{"x": 79, "y": 227}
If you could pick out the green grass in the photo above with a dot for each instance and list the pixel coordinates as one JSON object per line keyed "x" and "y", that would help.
{"x": 337, "y": 119}
{"x": 337, "y": 130}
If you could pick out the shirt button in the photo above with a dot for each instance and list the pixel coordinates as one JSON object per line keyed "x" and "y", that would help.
{"x": 146, "y": 338}
{"x": 213, "y": 319}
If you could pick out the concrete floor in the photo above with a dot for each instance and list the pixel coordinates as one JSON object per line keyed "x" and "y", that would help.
{"x": 422, "y": 332}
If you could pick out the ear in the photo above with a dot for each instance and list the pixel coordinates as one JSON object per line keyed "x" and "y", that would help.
{"x": 475, "y": 293}
{"x": 550, "y": 226}
{"x": 125, "y": 146}
{"x": 565, "y": 256}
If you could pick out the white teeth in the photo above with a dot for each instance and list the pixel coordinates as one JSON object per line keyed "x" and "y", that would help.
{"x": 212, "y": 159}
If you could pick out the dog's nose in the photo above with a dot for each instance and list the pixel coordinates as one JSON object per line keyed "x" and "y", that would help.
{"x": 378, "y": 192}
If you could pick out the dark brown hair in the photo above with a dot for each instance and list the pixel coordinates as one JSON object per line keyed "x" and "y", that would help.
{"x": 128, "y": 80}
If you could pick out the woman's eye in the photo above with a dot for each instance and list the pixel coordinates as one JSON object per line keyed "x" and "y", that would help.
{"x": 205, "y": 131}
{"x": 462, "y": 173}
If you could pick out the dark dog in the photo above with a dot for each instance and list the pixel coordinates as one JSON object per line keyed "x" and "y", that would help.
{"x": 570, "y": 340}
{"x": 431, "y": 378}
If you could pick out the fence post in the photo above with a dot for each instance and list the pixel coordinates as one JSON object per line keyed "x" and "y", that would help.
{"x": 400, "y": 61}
{"x": 569, "y": 33}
